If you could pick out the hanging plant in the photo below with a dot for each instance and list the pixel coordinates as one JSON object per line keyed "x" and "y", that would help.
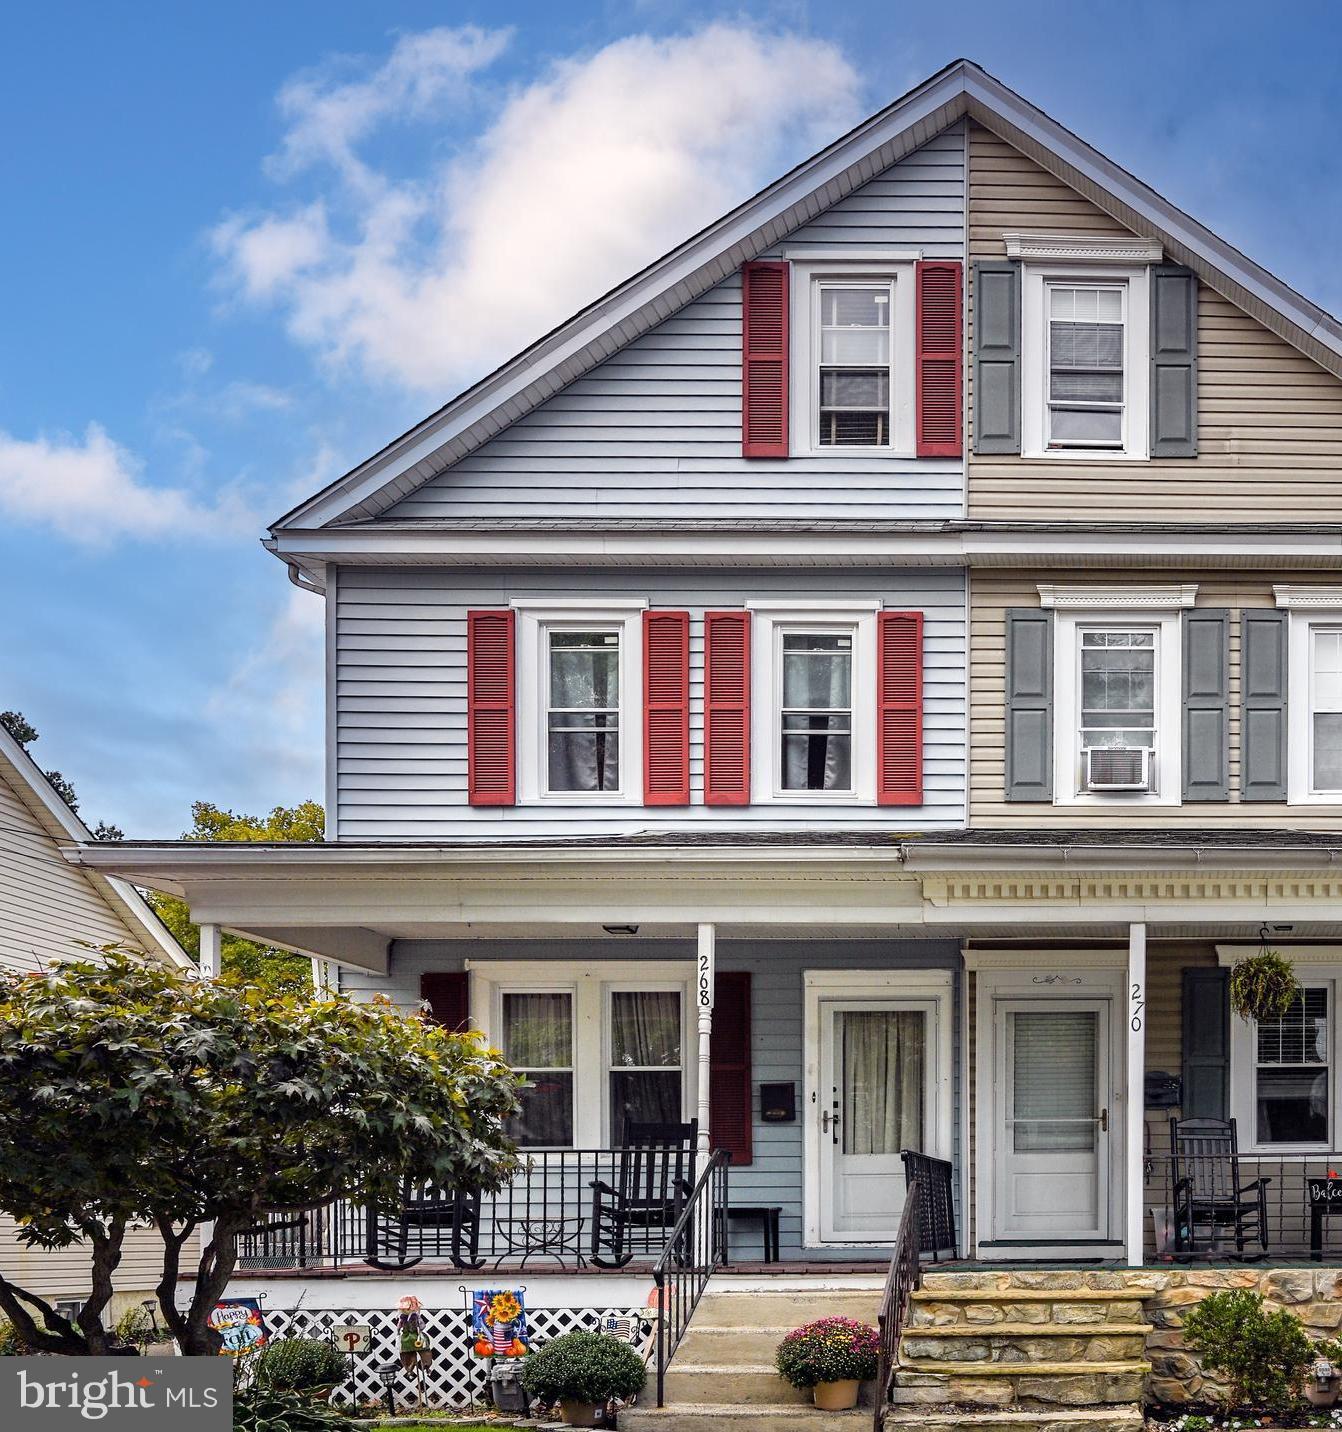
{"x": 1263, "y": 986}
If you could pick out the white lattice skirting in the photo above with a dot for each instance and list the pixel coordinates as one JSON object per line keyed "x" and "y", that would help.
{"x": 456, "y": 1377}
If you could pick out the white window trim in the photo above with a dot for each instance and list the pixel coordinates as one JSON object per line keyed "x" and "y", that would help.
{"x": 1308, "y": 610}
{"x": 1136, "y": 359}
{"x": 1243, "y": 1066}
{"x": 534, "y": 619}
{"x": 769, "y": 620}
{"x": 1067, "y": 706}
{"x": 804, "y": 355}
{"x": 591, "y": 989}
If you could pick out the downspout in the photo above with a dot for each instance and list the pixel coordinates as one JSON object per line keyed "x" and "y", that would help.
{"x": 302, "y": 582}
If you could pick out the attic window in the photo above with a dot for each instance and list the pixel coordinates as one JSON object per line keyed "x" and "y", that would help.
{"x": 854, "y": 364}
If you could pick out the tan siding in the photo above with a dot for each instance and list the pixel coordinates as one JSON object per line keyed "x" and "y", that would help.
{"x": 64, "y": 1272}
{"x": 991, "y": 594}
{"x": 1269, "y": 420}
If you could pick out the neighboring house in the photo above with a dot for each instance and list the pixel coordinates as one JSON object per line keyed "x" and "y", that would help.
{"x": 50, "y": 910}
{"x": 917, "y": 599}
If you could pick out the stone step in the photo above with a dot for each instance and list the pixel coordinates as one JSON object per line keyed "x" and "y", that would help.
{"x": 929, "y": 1382}
{"x": 729, "y": 1417}
{"x": 1018, "y": 1343}
{"x": 1078, "y": 1419}
{"x": 717, "y": 1347}
{"x": 692, "y": 1384}
{"x": 937, "y": 1307}
{"x": 746, "y": 1308}
{"x": 1132, "y": 1282}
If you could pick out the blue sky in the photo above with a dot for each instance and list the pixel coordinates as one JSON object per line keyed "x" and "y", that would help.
{"x": 247, "y": 244}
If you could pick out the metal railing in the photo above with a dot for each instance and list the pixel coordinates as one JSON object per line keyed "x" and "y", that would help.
{"x": 1256, "y": 1207}
{"x": 904, "y": 1276}
{"x": 935, "y": 1181}
{"x": 564, "y": 1205}
{"x": 696, "y": 1249}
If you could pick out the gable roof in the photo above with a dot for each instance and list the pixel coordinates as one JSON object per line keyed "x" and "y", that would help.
{"x": 637, "y": 305}
{"x": 22, "y": 774}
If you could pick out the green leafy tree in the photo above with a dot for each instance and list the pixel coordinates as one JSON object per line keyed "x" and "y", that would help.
{"x": 131, "y": 1093}
{"x": 242, "y": 959}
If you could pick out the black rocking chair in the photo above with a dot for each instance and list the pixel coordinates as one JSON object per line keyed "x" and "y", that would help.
{"x": 654, "y": 1176}
{"x": 1209, "y": 1200}
{"x": 431, "y": 1213}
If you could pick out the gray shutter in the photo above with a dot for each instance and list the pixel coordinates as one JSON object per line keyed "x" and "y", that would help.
{"x": 1262, "y": 727}
{"x": 1206, "y": 735}
{"x": 996, "y": 356}
{"x": 1206, "y": 1021}
{"x": 1174, "y": 361}
{"x": 1029, "y": 704}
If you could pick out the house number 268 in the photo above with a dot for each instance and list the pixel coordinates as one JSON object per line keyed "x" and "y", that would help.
{"x": 1138, "y": 1005}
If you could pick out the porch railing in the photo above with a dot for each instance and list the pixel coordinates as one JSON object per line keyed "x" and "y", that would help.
{"x": 1278, "y": 1207}
{"x": 904, "y": 1276}
{"x": 696, "y": 1249}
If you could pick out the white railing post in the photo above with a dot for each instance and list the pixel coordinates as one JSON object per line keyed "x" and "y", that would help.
{"x": 1135, "y": 1102}
{"x": 707, "y": 964}
{"x": 211, "y": 958}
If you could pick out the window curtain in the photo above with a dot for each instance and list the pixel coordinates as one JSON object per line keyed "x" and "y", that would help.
{"x": 538, "y": 1042}
{"x": 821, "y": 759}
{"x": 584, "y": 719}
{"x": 645, "y": 1030}
{"x": 885, "y": 1065}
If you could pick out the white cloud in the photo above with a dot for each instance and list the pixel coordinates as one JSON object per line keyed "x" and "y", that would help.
{"x": 91, "y": 490}
{"x": 580, "y": 179}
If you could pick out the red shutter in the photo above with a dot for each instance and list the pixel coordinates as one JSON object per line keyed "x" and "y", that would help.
{"x": 899, "y": 708}
{"x": 666, "y": 708}
{"x": 726, "y": 708}
{"x": 938, "y": 365}
{"x": 764, "y": 359}
{"x": 491, "y": 778}
{"x": 448, "y": 996}
{"x": 729, "y": 1090}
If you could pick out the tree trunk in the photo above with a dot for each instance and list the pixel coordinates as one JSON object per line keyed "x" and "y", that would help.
{"x": 107, "y": 1245}
{"x": 57, "y": 1334}
{"x": 173, "y": 1242}
{"x": 217, "y": 1261}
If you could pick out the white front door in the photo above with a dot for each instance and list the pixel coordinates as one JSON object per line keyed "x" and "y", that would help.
{"x": 875, "y": 1096}
{"x": 1052, "y": 1120}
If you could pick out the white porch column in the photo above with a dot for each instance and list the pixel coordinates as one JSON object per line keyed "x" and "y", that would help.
{"x": 1135, "y": 1097}
{"x": 707, "y": 963}
{"x": 211, "y": 960}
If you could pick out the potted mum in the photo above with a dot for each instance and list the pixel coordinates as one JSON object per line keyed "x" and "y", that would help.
{"x": 831, "y": 1356}
{"x": 582, "y": 1372}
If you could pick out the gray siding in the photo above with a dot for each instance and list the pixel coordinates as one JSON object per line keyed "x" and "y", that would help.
{"x": 655, "y": 431}
{"x": 776, "y": 967}
{"x": 401, "y": 695}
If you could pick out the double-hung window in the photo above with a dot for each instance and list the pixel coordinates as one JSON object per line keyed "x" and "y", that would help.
{"x": 1086, "y": 365}
{"x": 645, "y": 1077}
{"x": 1292, "y": 1072}
{"x": 1118, "y": 687}
{"x": 853, "y": 364}
{"x": 1325, "y": 709}
{"x": 816, "y": 713}
{"x": 537, "y": 1040}
{"x": 583, "y": 722}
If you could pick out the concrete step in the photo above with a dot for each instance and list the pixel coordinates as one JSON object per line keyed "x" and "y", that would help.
{"x": 729, "y": 1417}
{"x": 788, "y": 1309}
{"x": 691, "y": 1384}
{"x": 1018, "y": 1343}
{"x": 1077, "y": 1419}
{"x": 719, "y": 1346}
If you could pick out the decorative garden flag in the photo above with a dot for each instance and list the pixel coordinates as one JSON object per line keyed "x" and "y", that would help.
{"x": 499, "y": 1322}
{"x": 241, "y": 1323}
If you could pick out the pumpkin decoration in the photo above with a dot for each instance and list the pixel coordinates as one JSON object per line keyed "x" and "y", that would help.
{"x": 484, "y": 1348}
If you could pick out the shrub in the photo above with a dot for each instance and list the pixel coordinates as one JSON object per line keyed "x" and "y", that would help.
{"x": 1263, "y": 1355}
{"x": 299, "y": 1365}
{"x": 271, "y": 1409}
{"x": 583, "y": 1367}
{"x": 135, "y": 1328}
{"x": 829, "y": 1350}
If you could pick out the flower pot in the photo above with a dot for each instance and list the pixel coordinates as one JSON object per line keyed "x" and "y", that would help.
{"x": 578, "y": 1414}
{"x": 836, "y": 1396}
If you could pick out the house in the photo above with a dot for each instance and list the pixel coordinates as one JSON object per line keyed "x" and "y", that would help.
{"x": 51, "y": 910}
{"x": 859, "y": 685}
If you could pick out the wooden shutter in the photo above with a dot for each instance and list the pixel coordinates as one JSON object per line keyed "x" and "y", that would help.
{"x": 1263, "y": 705}
{"x": 490, "y": 742}
{"x": 731, "y": 1109}
{"x": 1029, "y": 704}
{"x": 899, "y": 708}
{"x": 448, "y": 995}
{"x": 726, "y": 708}
{"x": 1206, "y": 1044}
{"x": 1206, "y": 729}
{"x": 938, "y": 358}
{"x": 666, "y": 708}
{"x": 996, "y": 356}
{"x": 764, "y": 359}
{"x": 1174, "y": 361}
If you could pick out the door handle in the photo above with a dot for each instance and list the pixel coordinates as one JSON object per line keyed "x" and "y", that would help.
{"x": 828, "y": 1121}
{"x": 824, "y": 1121}
{"x": 1104, "y": 1121}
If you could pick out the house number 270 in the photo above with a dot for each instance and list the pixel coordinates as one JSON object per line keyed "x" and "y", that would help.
{"x": 1138, "y": 1005}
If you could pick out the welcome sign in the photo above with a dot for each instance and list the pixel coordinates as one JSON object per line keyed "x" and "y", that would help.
{"x": 117, "y": 1394}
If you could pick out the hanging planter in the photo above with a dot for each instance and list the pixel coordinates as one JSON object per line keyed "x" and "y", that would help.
{"x": 1263, "y": 986}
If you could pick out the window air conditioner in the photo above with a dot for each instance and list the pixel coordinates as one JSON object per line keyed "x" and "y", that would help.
{"x": 1118, "y": 768}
